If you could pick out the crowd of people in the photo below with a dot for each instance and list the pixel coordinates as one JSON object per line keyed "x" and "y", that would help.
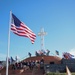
{"x": 28, "y": 64}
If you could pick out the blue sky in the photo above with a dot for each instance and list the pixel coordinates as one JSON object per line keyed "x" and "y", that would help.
{"x": 57, "y": 17}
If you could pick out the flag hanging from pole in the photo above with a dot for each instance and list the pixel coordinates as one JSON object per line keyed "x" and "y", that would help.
{"x": 20, "y": 29}
{"x": 57, "y": 52}
{"x": 67, "y": 55}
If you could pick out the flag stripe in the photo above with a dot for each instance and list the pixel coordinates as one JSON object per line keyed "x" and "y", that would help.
{"x": 20, "y": 34}
{"x": 21, "y": 28}
{"x": 21, "y": 31}
{"x": 28, "y": 30}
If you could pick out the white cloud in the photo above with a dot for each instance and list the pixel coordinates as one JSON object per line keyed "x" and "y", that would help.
{"x": 72, "y": 51}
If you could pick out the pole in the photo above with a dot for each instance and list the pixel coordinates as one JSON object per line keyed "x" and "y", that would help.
{"x": 7, "y": 58}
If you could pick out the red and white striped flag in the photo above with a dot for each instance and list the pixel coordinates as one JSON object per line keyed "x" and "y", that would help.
{"x": 20, "y": 29}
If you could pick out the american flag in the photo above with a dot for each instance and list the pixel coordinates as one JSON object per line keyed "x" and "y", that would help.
{"x": 57, "y": 52}
{"x": 20, "y": 29}
{"x": 67, "y": 55}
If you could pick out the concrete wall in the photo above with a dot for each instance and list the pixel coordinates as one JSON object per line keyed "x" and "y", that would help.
{"x": 61, "y": 67}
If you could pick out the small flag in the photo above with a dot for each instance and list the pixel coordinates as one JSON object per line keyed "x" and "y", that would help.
{"x": 68, "y": 71}
{"x": 57, "y": 52}
{"x": 12, "y": 59}
{"x": 20, "y": 29}
{"x": 67, "y": 55}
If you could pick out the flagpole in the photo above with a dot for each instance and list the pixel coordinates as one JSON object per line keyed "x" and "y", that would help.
{"x": 7, "y": 58}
